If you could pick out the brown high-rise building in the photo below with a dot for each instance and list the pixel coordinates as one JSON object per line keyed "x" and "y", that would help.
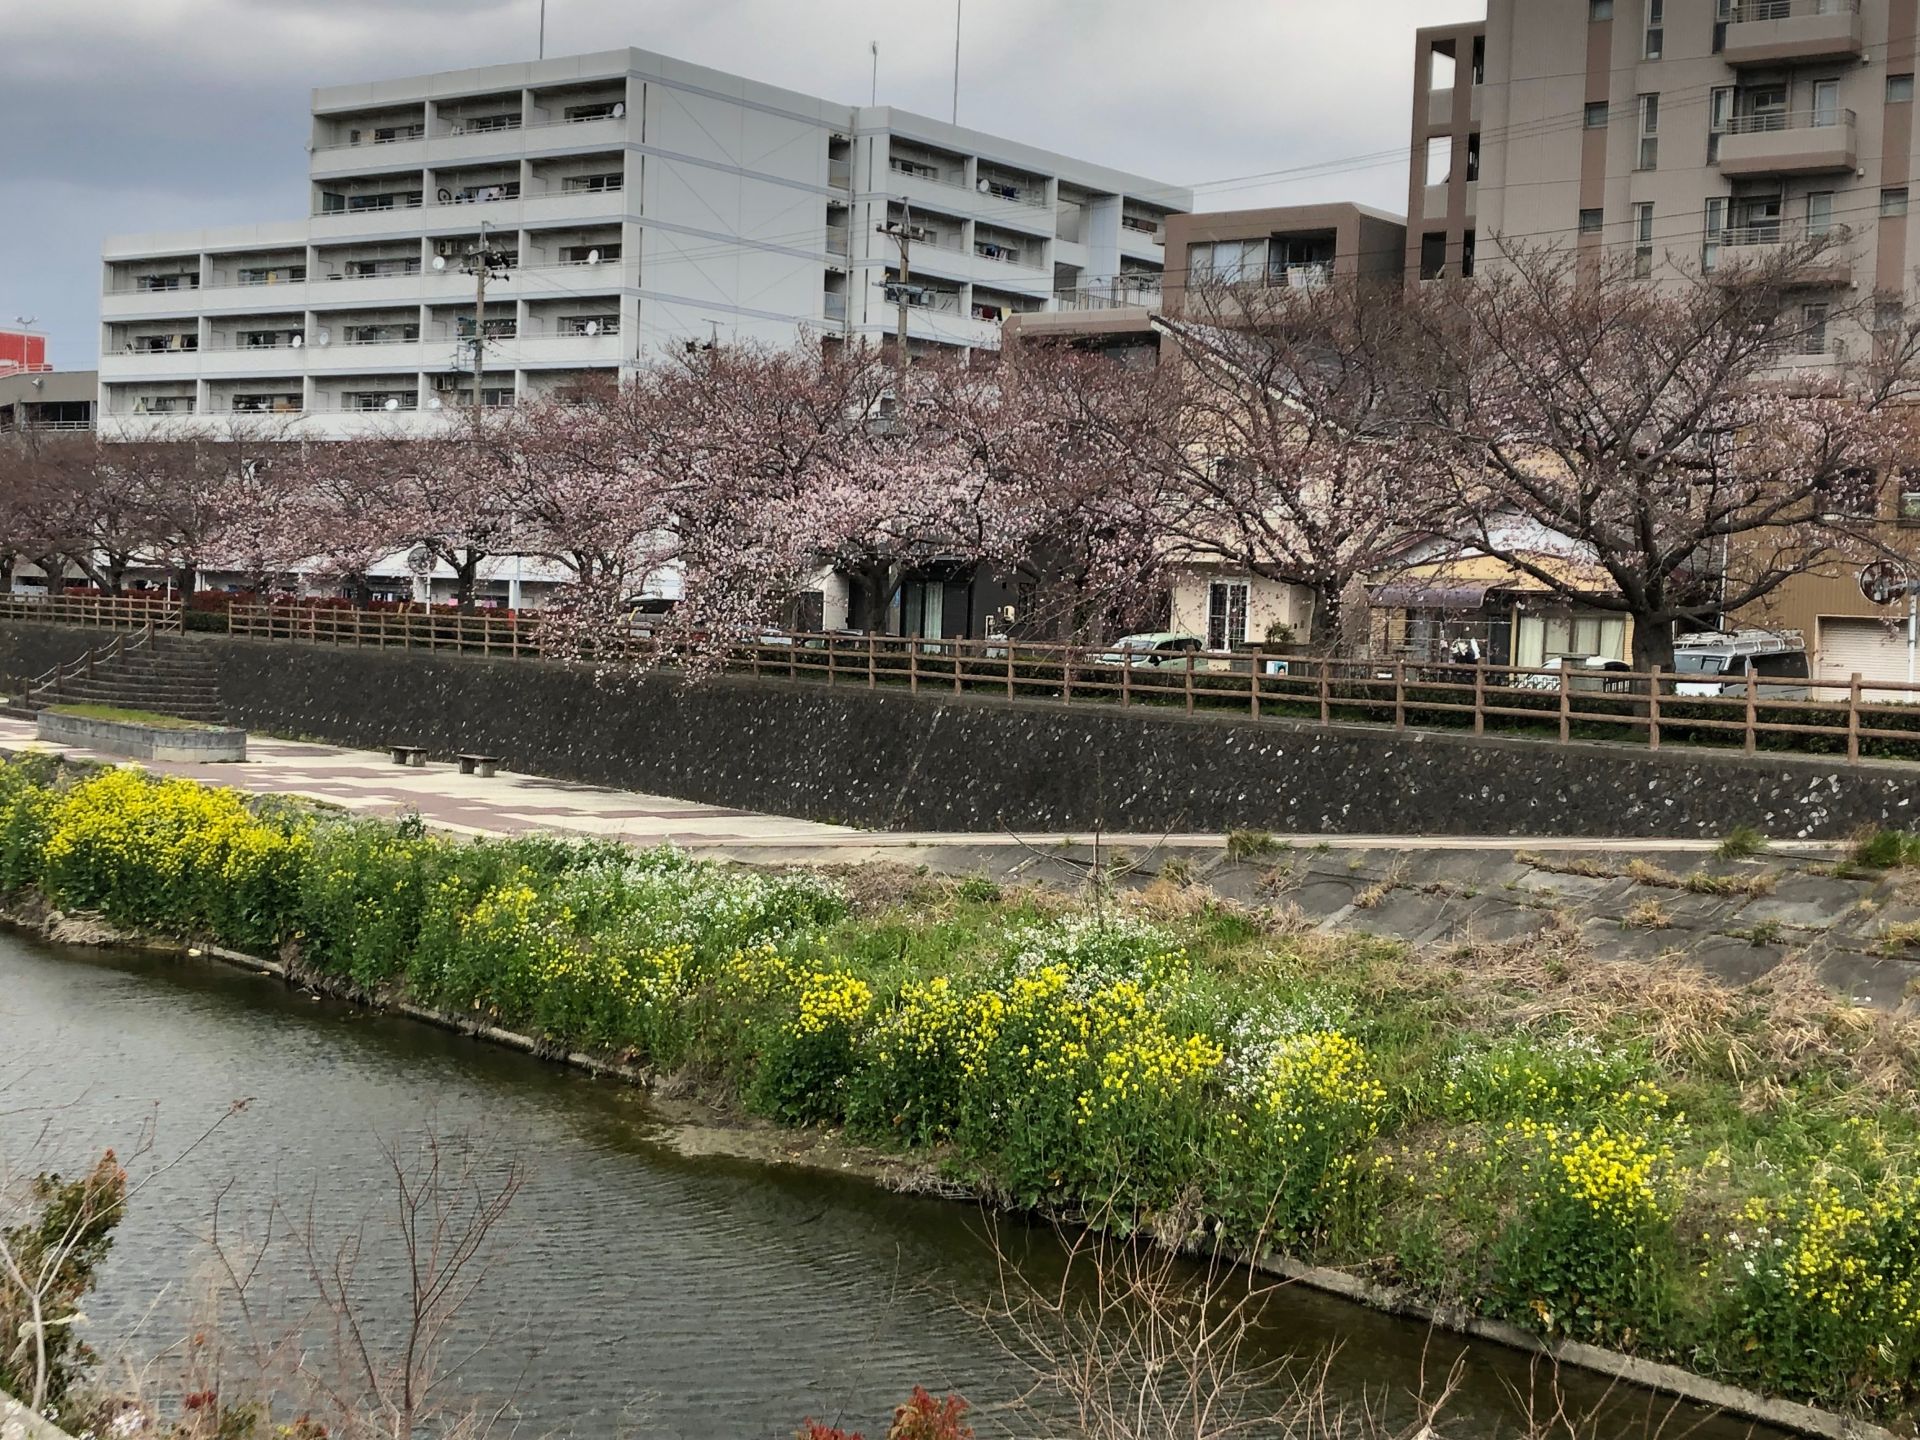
{"x": 1689, "y": 132}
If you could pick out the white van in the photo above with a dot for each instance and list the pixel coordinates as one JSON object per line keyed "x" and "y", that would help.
{"x": 1777, "y": 659}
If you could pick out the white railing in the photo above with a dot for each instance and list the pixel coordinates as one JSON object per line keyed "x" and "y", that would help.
{"x": 1108, "y": 297}
{"x": 1024, "y": 194}
{"x": 1755, "y": 10}
{"x": 1771, "y": 121}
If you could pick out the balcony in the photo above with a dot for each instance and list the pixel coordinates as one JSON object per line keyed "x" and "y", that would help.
{"x": 1755, "y": 250}
{"x": 1789, "y": 142}
{"x": 1774, "y": 32}
{"x": 566, "y": 349}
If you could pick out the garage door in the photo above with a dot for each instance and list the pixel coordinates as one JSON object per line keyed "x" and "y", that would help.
{"x": 1866, "y": 648}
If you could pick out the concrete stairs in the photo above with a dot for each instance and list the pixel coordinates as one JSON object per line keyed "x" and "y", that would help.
{"x": 159, "y": 674}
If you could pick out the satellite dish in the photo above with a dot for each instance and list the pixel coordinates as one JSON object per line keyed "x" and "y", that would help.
{"x": 433, "y": 402}
{"x": 439, "y": 262}
{"x": 420, "y": 561}
{"x": 620, "y": 110}
{"x": 297, "y": 341}
{"x": 322, "y": 337}
{"x": 393, "y": 403}
{"x": 593, "y": 257}
{"x": 593, "y": 327}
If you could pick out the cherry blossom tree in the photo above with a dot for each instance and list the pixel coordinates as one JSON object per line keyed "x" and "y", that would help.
{"x": 1298, "y": 455}
{"x": 1663, "y": 429}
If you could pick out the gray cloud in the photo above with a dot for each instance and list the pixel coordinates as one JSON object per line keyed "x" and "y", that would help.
{"x": 134, "y": 115}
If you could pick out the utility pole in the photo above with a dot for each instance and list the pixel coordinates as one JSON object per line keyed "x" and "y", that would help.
{"x": 956, "y": 61}
{"x": 482, "y": 261}
{"x": 543, "y": 29}
{"x": 901, "y": 230}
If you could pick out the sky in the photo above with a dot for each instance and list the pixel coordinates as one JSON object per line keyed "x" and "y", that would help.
{"x": 140, "y": 115}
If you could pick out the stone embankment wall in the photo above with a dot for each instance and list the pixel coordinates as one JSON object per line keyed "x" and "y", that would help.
{"x": 887, "y": 759}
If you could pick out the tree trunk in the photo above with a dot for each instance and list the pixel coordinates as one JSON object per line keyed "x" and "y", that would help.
{"x": 1327, "y": 619}
{"x": 875, "y": 585}
{"x": 466, "y": 576}
{"x": 1652, "y": 644}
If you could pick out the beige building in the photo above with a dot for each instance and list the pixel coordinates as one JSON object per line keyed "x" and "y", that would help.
{"x": 1690, "y": 133}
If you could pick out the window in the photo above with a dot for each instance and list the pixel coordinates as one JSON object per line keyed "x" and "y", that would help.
{"x": 1433, "y": 255}
{"x": 1826, "y": 102}
{"x": 1596, "y": 115}
{"x": 1889, "y": 317}
{"x": 1819, "y": 214}
{"x": 1591, "y": 221}
{"x": 1227, "y": 614}
{"x": 1643, "y": 239}
{"x": 1466, "y": 254}
{"x": 1909, "y": 512}
{"x": 1722, "y": 17}
{"x": 1656, "y": 32}
{"x": 1598, "y": 10}
{"x": 590, "y": 254}
{"x": 602, "y": 110}
{"x": 481, "y": 124}
{"x": 590, "y": 325}
{"x": 1719, "y": 112}
{"x": 1893, "y": 203}
{"x": 1649, "y": 132}
{"x": 283, "y": 403}
{"x": 596, "y": 183}
{"x": 1712, "y": 232}
{"x": 1228, "y": 262}
{"x": 1899, "y": 89}
{"x": 1473, "y": 156}
{"x": 1812, "y": 339}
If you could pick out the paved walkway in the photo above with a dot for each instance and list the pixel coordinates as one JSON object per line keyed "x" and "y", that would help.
{"x": 369, "y": 783}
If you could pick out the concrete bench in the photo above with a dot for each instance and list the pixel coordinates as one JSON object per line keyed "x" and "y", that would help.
{"x": 414, "y": 755}
{"x": 485, "y": 766}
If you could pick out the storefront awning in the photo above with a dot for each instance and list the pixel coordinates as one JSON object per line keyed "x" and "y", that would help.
{"x": 1430, "y": 595}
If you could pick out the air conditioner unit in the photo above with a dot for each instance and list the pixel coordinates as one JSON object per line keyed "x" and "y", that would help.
{"x": 446, "y": 247}
{"x": 451, "y": 380}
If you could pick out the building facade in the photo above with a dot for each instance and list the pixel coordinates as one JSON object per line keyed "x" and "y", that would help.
{"x": 1690, "y": 133}
{"x": 626, "y": 206}
{"x": 47, "y": 399}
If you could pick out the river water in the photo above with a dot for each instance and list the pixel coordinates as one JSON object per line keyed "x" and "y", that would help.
{"x": 634, "y": 1291}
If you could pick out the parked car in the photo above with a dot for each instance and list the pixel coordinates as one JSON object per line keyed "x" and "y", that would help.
{"x": 1153, "y": 650}
{"x": 1776, "y": 659}
{"x": 1592, "y": 672}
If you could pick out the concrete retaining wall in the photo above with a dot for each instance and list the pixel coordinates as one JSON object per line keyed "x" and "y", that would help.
{"x": 887, "y": 759}
{"x": 144, "y": 742}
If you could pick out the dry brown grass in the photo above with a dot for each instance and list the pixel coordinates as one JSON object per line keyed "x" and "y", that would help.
{"x": 1567, "y": 865}
{"x": 1648, "y": 915}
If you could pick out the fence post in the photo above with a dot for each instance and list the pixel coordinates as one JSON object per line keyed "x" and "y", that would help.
{"x": 1566, "y": 700}
{"x": 1751, "y": 737}
{"x": 1253, "y": 684}
{"x": 872, "y": 643}
{"x": 1653, "y": 710}
{"x": 913, "y": 670}
{"x": 1009, "y": 667}
{"x": 1066, "y": 672}
{"x": 959, "y": 659}
{"x": 1480, "y": 697}
{"x": 1326, "y": 691}
{"x": 1399, "y": 694}
{"x": 1853, "y": 719}
{"x": 1189, "y": 682}
{"x": 832, "y": 651}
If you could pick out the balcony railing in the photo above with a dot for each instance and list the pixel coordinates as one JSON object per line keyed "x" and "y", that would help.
{"x": 833, "y": 306}
{"x": 1783, "y": 232}
{"x": 1769, "y": 122}
{"x": 1108, "y": 297}
{"x": 837, "y": 240}
{"x": 1013, "y": 193}
{"x": 1751, "y": 11}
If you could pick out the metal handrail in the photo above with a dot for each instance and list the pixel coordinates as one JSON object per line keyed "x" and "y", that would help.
{"x": 1770, "y": 122}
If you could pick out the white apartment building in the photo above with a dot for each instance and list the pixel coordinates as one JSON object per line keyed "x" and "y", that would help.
{"x": 635, "y": 205}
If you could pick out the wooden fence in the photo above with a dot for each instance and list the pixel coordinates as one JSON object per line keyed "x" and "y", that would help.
{"x": 1564, "y": 703}
{"x": 111, "y": 612}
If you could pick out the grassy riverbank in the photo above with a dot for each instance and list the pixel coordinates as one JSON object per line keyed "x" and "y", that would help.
{"x": 1624, "y": 1154}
